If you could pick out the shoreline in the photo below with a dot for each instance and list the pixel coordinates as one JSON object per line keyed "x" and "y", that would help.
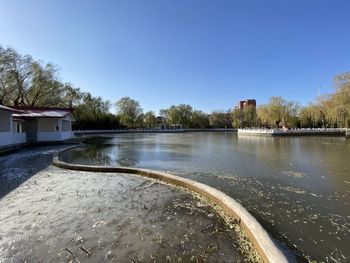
{"x": 329, "y": 132}
{"x": 88, "y": 132}
{"x": 257, "y": 235}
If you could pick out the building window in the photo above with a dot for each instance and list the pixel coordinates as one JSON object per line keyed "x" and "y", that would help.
{"x": 66, "y": 125}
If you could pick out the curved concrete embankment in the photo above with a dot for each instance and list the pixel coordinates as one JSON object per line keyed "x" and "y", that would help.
{"x": 255, "y": 232}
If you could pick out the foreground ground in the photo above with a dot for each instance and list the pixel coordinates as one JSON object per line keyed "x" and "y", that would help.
{"x": 63, "y": 216}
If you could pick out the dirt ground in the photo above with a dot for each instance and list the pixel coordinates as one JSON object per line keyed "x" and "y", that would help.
{"x": 58, "y": 215}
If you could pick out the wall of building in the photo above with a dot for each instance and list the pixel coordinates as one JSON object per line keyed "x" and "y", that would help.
{"x": 18, "y": 127}
{"x": 5, "y": 121}
{"x": 49, "y": 125}
{"x": 66, "y": 125}
{"x": 8, "y": 130}
{"x": 19, "y": 138}
{"x": 5, "y": 138}
{"x": 53, "y": 136}
{"x": 54, "y": 129}
{"x": 5, "y": 128}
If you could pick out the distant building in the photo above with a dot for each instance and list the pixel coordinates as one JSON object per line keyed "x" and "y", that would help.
{"x": 161, "y": 123}
{"x": 244, "y": 103}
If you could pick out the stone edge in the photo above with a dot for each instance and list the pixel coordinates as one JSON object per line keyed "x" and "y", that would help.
{"x": 257, "y": 235}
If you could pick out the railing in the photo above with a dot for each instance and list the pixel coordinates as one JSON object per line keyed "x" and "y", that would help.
{"x": 292, "y": 131}
{"x": 81, "y": 132}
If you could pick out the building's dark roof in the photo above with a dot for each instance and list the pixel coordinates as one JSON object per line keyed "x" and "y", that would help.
{"x": 4, "y": 108}
{"x": 42, "y": 112}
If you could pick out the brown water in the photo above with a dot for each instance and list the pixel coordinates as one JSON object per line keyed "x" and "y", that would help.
{"x": 298, "y": 188}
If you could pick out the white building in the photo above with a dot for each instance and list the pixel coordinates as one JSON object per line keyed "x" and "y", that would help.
{"x": 11, "y": 130}
{"x": 20, "y": 125}
{"x": 46, "y": 124}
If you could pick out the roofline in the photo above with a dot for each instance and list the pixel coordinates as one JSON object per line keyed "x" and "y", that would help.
{"x": 18, "y": 119}
{"x": 41, "y": 108}
{"x": 26, "y": 115}
{"x": 10, "y": 109}
{"x": 41, "y": 117}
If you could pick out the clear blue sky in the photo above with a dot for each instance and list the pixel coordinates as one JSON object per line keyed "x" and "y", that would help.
{"x": 209, "y": 54}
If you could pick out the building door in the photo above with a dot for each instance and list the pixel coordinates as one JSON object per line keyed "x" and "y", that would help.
{"x": 32, "y": 130}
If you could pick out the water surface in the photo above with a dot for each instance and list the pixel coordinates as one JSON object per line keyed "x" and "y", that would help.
{"x": 298, "y": 188}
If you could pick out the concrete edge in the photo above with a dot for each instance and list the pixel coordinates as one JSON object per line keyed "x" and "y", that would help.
{"x": 257, "y": 235}
{"x": 293, "y": 134}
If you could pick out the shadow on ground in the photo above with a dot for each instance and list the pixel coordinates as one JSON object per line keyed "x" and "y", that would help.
{"x": 17, "y": 167}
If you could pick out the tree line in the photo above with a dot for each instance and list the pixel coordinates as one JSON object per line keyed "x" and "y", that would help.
{"x": 25, "y": 81}
{"x": 328, "y": 111}
{"x": 131, "y": 115}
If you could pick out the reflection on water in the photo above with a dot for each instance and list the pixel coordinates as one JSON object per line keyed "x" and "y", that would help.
{"x": 298, "y": 188}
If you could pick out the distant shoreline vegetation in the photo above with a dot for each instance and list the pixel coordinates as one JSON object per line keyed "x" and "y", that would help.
{"x": 28, "y": 82}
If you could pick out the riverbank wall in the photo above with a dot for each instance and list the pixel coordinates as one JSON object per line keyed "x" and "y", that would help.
{"x": 297, "y": 132}
{"x": 347, "y": 134}
{"x": 95, "y": 132}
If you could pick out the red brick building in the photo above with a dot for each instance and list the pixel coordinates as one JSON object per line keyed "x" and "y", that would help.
{"x": 244, "y": 103}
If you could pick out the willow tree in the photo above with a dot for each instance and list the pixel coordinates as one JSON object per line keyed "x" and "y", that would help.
{"x": 178, "y": 114}
{"x": 129, "y": 111}
{"x": 27, "y": 82}
{"x": 341, "y": 99}
{"x": 221, "y": 119}
{"x": 278, "y": 112}
{"x": 237, "y": 118}
{"x": 15, "y": 75}
{"x": 150, "y": 119}
{"x": 263, "y": 115}
{"x": 199, "y": 120}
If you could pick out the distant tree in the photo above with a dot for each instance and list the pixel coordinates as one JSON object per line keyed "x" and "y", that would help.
{"x": 129, "y": 111}
{"x": 180, "y": 114}
{"x": 221, "y": 119}
{"x": 291, "y": 117}
{"x": 278, "y": 112}
{"x": 93, "y": 113}
{"x": 249, "y": 116}
{"x": 164, "y": 113}
{"x": 237, "y": 118}
{"x": 341, "y": 99}
{"x": 245, "y": 117}
{"x": 199, "y": 120}
{"x": 308, "y": 117}
{"x": 150, "y": 119}
{"x": 263, "y": 116}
